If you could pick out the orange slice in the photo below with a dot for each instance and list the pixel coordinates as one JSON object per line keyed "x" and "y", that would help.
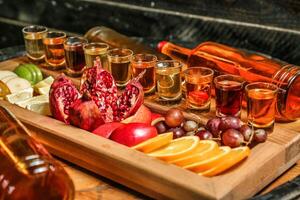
{"x": 210, "y": 162}
{"x": 235, "y": 156}
{"x": 176, "y": 148}
{"x": 154, "y": 143}
{"x": 204, "y": 150}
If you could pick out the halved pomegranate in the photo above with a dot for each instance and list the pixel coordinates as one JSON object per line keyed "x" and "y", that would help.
{"x": 100, "y": 84}
{"x": 61, "y": 96}
{"x": 85, "y": 114}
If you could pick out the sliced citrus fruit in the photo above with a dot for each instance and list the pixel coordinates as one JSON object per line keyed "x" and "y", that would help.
{"x": 235, "y": 156}
{"x": 3, "y": 89}
{"x": 210, "y": 162}
{"x": 154, "y": 143}
{"x": 177, "y": 148}
{"x": 204, "y": 150}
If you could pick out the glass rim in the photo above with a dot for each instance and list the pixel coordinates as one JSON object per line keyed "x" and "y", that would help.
{"x": 168, "y": 66}
{"x": 119, "y": 56}
{"x": 241, "y": 80}
{"x": 56, "y": 32}
{"x": 154, "y": 58}
{"x": 185, "y": 72}
{"x": 105, "y": 46}
{"x": 34, "y": 26}
{"x": 274, "y": 88}
{"x": 82, "y": 40}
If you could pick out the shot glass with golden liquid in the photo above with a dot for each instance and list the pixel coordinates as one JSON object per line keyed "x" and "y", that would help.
{"x": 198, "y": 88}
{"x": 119, "y": 65}
{"x": 168, "y": 80}
{"x": 140, "y": 63}
{"x": 261, "y": 105}
{"x": 33, "y": 37}
{"x": 94, "y": 50}
{"x": 54, "y": 49}
{"x": 74, "y": 55}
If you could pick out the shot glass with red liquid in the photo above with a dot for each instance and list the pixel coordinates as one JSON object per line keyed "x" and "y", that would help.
{"x": 198, "y": 87}
{"x": 229, "y": 95}
{"x": 74, "y": 55}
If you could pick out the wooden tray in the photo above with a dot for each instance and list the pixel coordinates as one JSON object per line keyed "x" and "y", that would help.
{"x": 156, "y": 178}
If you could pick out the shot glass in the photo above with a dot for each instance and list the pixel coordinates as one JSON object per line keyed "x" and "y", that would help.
{"x": 261, "y": 105}
{"x": 119, "y": 65}
{"x": 33, "y": 37}
{"x": 54, "y": 49}
{"x": 145, "y": 62}
{"x": 229, "y": 95}
{"x": 94, "y": 50}
{"x": 198, "y": 88}
{"x": 168, "y": 80}
{"x": 74, "y": 55}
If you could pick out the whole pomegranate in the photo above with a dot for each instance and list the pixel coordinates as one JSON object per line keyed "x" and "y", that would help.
{"x": 85, "y": 114}
{"x": 62, "y": 95}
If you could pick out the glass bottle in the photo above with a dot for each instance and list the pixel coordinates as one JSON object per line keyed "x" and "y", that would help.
{"x": 252, "y": 67}
{"x": 27, "y": 170}
{"x": 118, "y": 40}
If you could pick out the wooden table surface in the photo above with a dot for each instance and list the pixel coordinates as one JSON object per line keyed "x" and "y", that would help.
{"x": 90, "y": 186}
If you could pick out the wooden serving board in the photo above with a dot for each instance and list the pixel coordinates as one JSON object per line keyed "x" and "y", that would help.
{"x": 156, "y": 178}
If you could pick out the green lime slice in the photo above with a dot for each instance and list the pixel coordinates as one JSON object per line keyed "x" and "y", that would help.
{"x": 38, "y": 72}
{"x": 25, "y": 73}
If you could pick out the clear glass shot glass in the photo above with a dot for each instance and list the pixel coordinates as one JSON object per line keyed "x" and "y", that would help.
{"x": 33, "y": 37}
{"x": 168, "y": 80}
{"x": 54, "y": 49}
{"x": 261, "y": 105}
{"x": 74, "y": 55}
{"x": 198, "y": 82}
{"x": 94, "y": 50}
{"x": 147, "y": 63}
{"x": 229, "y": 95}
{"x": 119, "y": 65}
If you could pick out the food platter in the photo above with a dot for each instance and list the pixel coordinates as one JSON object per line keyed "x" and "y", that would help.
{"x": 153, "y": 177}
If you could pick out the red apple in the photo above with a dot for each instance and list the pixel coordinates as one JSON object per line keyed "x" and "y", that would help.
{"x": 142, "y": 115}
{"x": 105, "y": 130}
{"x": 133, "y": 134}
{"x": 154, "y": 116}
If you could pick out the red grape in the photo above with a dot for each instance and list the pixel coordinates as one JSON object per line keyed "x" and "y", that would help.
{"x": 161, "y": 127}
{"x": 177, "y": 132}
{"x": 260, "y": 135}
{"x": 232, "y": 138}
{"x": 174, "y": 117}
{"x": 204, "y": 135}
{"x": 212, "y": 125}
{"x": 230, "y": 122}
{"x": 246, "y": 132}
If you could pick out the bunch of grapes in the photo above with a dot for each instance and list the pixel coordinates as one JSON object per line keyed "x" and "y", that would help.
{"x": 174, "y": 122}
{"x": 231, "y": 131}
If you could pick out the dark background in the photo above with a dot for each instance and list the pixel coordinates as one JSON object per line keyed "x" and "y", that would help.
{"x": 268, "y": 26}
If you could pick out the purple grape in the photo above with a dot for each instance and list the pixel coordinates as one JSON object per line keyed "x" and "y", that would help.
{"x": 204, "y": 135}
{"x": 230, "y": 123}
{"x": 177, "y": 132}
{"x": 246, "y": 132}
{"x": 212, "y": 125}
{"x": 260, "y": 135}
{"x": 232, "y": 138}
{"x": 161, "y": 127}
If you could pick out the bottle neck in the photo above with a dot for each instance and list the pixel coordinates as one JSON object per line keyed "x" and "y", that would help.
{"x": 176, "y": 52}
